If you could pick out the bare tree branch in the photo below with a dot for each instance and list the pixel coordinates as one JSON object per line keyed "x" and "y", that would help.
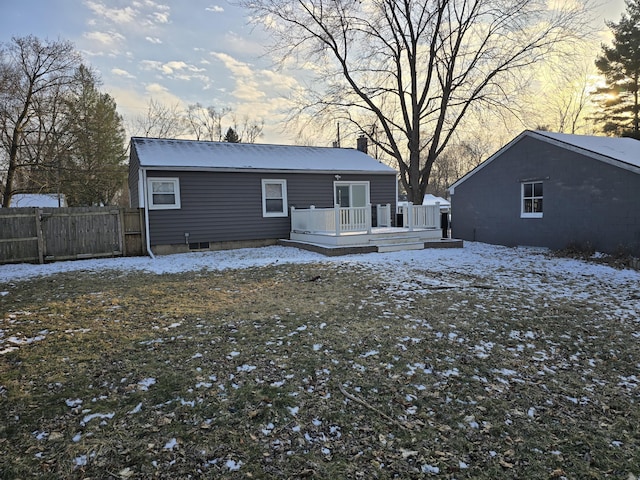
{"x": 417, "y": 66}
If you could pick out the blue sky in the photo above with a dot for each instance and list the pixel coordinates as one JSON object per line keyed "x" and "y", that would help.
{"x": 174, "y": 51}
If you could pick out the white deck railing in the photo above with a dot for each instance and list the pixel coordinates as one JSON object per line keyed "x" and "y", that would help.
{"x": 420, "y": 216}
{"x": 338, "y": 220}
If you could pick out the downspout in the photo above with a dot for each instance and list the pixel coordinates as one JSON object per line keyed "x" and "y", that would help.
{"x": 146, "y": 212}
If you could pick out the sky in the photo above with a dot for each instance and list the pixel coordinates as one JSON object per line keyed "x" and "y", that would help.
{"x": 175, "y": 52}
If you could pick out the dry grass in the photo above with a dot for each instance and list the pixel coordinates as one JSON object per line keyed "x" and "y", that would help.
{"x": 311, "y": 371}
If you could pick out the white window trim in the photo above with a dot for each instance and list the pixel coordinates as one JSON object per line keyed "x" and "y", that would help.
{"x": 285, "y": 205}
{"x": 524, "y": 214}
{"x": 176, "y": 191}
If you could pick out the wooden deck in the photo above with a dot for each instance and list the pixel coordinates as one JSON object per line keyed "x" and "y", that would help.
{"x": 383, "y": 239}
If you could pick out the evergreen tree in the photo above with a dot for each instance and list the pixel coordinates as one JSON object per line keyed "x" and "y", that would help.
{"x": 94, "y": 169}
{"x": 231, "y": 136}
{"x": 620, "y": 65}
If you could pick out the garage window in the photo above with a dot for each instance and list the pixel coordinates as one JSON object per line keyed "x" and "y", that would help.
{"x": 532, "y": 195}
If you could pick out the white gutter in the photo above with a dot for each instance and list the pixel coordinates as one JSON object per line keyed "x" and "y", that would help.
{"x": 146, "y": 212}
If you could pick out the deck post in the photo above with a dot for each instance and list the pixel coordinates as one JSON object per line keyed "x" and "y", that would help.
{"x": 293, "y": 213}
{"x": 367, "y": 216}
{"x": 337, "y": 215}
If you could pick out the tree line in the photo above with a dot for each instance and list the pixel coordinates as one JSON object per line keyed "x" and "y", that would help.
{"x": 60, "y": 134}
{"x": 197, "y": 122}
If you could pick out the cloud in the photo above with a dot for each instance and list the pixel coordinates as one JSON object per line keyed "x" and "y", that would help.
{"x": 154, "y": 40}
{"x": 162, "y": 94}
{"x": 244, "y": 45}
{"x": 106, "y": 38}
{"x": 251, "y": 83}
{"x": 215, "y": 9}
{"x": 141, "y": 13}
{"x": 156, "y": 89}
{"x": 115, "y": 15}
{"x": 236, "y": 67}
{"x": 121, "y": 73}
{"x": 160, "y": 17}
{"x": 169, "y": 68}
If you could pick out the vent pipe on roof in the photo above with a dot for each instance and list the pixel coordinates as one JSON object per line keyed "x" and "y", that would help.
{"x": 363, "y": 144}
{"x": 336, "y": 144}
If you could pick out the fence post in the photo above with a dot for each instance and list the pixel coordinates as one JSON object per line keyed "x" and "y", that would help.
{"x": 367, "y": 217}
{"x": 410, "y": 215}
{"x": 337, "y": 215}
{"x": 121, "y": 236}
{"x": 38, "y": 216}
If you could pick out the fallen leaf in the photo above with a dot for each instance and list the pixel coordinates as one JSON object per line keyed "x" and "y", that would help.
{"x": 125, "y": 473}
{"x": 408, "y": 453}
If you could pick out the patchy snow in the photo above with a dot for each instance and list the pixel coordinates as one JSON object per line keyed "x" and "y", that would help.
{"x": 171, "y": 444}
{"x": 88, "y": 418}
{"x": 232, "y": 465}
{"x": 145, "y": 383}
{"x": 407, "y": 273}
{"x": 523, "y": 267}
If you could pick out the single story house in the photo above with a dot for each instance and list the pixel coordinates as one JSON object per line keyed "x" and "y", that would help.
{"x": 553, "y": 190}
{"x": 214, "y": 195}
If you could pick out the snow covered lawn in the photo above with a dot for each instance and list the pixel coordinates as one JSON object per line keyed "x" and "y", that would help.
{"x": 482, "y": 362}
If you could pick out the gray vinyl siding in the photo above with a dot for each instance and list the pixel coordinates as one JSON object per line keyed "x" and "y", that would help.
{"x": 227, "y": 206}
{"x": 585, "y": 201}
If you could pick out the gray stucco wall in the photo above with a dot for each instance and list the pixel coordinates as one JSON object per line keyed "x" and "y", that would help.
{"x": 585, "y": 201}
{"x": 227, "y": 206}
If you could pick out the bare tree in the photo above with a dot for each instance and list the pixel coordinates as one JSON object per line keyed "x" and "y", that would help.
{"x": 34, "y": 75}
{"x": 161, "y": 121}
{"x": 418, "y": 67}
{"x": 205, "y": 123}
{"x": 248, "y": 130}
{"x": 459, "y": 158}
{"x": 565, "y": 91}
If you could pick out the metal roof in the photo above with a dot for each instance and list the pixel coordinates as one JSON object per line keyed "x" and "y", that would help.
{"x": 166, "y": 154}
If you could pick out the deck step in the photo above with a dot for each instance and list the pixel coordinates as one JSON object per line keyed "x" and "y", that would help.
{"x": 394, "y": 240}
{"x": 397, "y": 247}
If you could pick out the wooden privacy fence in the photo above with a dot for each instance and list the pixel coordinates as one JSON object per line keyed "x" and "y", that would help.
{"x": 40, "y": 235}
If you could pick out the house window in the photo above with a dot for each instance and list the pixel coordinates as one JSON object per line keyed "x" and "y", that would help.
{"x": 531, "y": 200}
{"x": 164, "y": 193}
{"x": 274, "y": 198}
